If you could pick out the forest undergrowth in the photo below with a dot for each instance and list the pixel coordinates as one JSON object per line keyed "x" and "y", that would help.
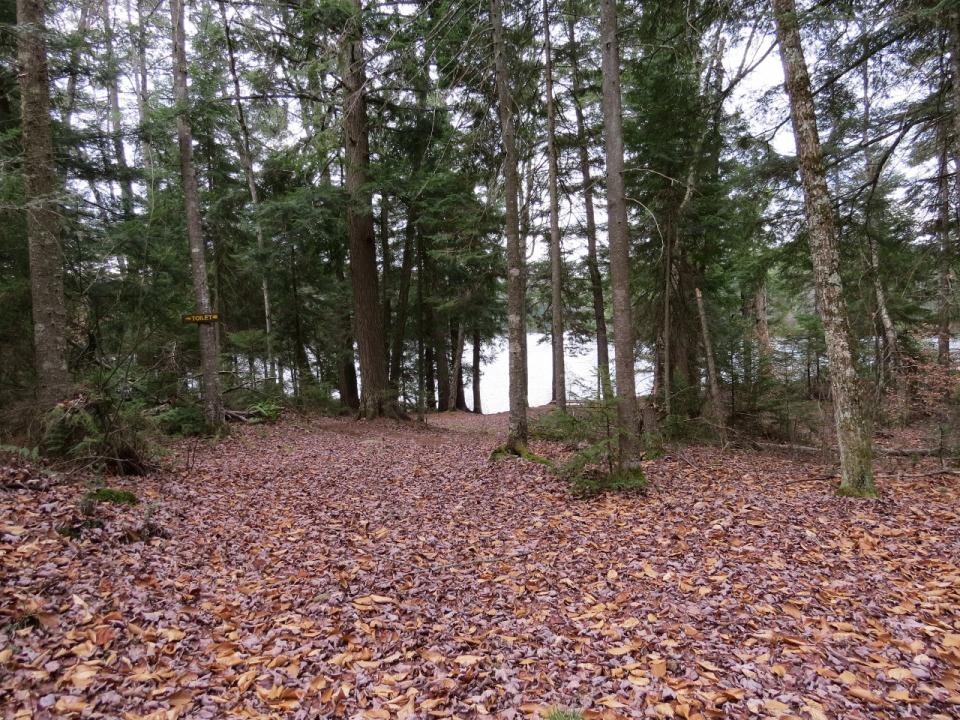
{"x": 328, "y": 568}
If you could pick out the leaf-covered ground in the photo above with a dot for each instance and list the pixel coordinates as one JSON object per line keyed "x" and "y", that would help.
{"x": 329, "y": 568}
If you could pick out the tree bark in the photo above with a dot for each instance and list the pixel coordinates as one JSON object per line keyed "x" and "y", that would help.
{"x": 667, "y": 334}
{"x": 455, "y": 385}
{"x": 430, "y": 380}
{"x": 375, "y": 397}
{"x": 116, "y": 128}
{"x": 761, "y": 324}
{"x": 943, "y": 264}
{"x": 73, "y": 65}
{"x": 477, "y": 407}
{"x": 209, "y": 347}
{"x": 713, "y": 378}
{"x": 443, "y": 366}
{"x": 516, "y": 306}
{"x": 143, "y": 91}
{"x": 43, "y": 226}
{"x": 556, "y": 258}
{"x": 386, "y": 275}
{"x": 853, "y": 434}
{"x": 593, "y": 264}
{"x": 953, "y": 22}
{"x": 761, "y": 327}
{"x": 873, "y": 255}
{"x": 421, "y": 332}
{"x": 619, "y": 242}
{"x": 246, "y": 160}
{"x": 403, "y": 296}
{"x": 425, "y": 330}
{"x": 346, "y": 366}
{"x": 300, "y": 359}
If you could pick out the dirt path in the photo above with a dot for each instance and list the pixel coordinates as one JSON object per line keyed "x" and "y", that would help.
{"x": 338, "y": 569}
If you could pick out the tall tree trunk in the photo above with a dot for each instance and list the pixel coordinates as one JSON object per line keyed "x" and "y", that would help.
{"x": 713, "y": 379}
{"x": 209, "y": 347}
{"x": 443, "y": 366}
{"x": 953, "y": 23}
{"x": 943, "y": 264}
{"x": 43, "y": 226}
{"x": 618, "y": 239}
{"x": 556, "y": 259}
{"x": 461, "y": 394}
{"x": 430, "y": 380}
{"x": 593, "y": 265}
{"x": 761, "y": 324}
{"x": 873, "y": 256}
{"x": 853, "y": 433}
{"x": 477, "y": 407}
{"x": 456, "y": 383}
{"x": 403, "y": 295}
{"x": 246, "y": 160}
{"x": 524, "y": 224}
{"x": 346, "y": 367}
{"x": 375, "y": 396}
{"x": 516, "y": 306}
{"x": 387, "y": 274}
{"x": 761, "y": 327}
{"x": 73, "y": 64}
{"x": 667, "y": 334}
{"x": 300, "y": 359}
{"x": 116, "y": 126}
{"x": 143, "y": 90}
{"x": 425, "y": 331}
{"x": 421, "y": 350}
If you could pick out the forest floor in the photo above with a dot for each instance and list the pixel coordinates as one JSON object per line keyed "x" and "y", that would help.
{"x": 329, "y": 568}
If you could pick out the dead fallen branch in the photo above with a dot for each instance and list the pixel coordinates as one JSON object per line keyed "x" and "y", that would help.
{"x": 836, "y": 476}
{"x": 240, "y": 415}
{"x": 889, "y": 452}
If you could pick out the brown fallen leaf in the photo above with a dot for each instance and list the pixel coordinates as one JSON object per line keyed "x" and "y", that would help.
{"x": 900, "y": 674}
{"x": 70, "y": 704}
{"x": 467, "y": 660}
{"x": 864, "y": 694}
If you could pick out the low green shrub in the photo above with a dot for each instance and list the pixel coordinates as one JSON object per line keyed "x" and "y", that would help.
{"x": 558, "y": 426}
{"x": 591, "y": 484}
{"x": 590, "y": 429}
{"x": 112, "y": 495}
{"x": 182, "y": 421}
{"x": 99, "y": 431}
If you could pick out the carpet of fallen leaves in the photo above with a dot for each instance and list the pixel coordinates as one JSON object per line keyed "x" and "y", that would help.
{"x": 323, "y": 568}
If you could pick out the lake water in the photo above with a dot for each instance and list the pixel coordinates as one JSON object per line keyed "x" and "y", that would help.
{"x": 580, "y": 365}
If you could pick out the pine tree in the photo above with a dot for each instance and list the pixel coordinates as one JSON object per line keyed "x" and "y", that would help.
{"x": 43, "y": 224}
{"x": 516, "y": 305}
{"x": 617, "y": 230}
{"x": 375, "y": 397}
{"x": 209, "y": 341}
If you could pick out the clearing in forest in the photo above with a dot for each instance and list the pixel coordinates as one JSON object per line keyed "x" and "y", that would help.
{"x": 372, "y": 570}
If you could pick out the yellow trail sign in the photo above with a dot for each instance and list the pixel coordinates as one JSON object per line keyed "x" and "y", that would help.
{"x": 201, "y": 317}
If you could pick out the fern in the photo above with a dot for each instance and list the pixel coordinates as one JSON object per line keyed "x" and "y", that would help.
{"x": 26, "y": 453}
{"x": 102, "y": 431}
